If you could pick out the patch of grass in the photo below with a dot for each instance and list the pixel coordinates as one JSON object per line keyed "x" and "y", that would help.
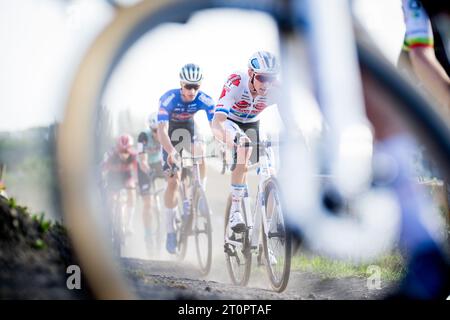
{"x": 391, "y": 266}
{"x": 59, "y": 228}
{"x": 39, "y": 244}
{"x": 44, "y": 225}
{"x": 12, "y": 203}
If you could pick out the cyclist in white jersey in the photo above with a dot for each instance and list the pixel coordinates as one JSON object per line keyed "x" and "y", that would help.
{"x": 244, "y": 96}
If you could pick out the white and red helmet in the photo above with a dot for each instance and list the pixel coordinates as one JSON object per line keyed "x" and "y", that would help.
{"x": 264, "y": 62}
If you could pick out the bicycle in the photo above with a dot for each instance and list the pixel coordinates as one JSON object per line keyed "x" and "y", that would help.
{"x": 276, "y": 239}
{"x": 154, "y": 245}
{"x": 193, "y": 215}
{"x": 115, "y": 202}
{"x": 117, "y": 226}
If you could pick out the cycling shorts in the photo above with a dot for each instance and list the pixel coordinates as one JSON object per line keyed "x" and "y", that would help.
{"x": 182, "y": 136}
{"x": 251, "y": 130}
{"x": 120, "y": 180}
{"x": 144, "y": 179}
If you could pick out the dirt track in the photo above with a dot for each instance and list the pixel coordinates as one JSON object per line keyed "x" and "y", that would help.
{"x": 171, "y": 280}
{"x": 167, "y": 278}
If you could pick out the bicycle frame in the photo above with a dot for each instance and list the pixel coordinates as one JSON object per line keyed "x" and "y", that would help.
{"x": 257, "y": 216}
{"x": 195, "y": 176}
{"x": 195, "y": 170}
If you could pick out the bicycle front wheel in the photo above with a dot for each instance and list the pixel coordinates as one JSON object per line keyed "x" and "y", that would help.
{"x": 238, "y": 256}
{"x": 183, "y": 223}
{"x": 277, "y": 241}
{"x": 202, "y": 231}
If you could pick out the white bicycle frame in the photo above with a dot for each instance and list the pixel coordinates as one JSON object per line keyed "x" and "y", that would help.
{"x": 195, "y": 171}
{"x": 255, "y": 217}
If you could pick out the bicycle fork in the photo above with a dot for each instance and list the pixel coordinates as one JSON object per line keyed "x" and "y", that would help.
{"x": 254, "y": 219}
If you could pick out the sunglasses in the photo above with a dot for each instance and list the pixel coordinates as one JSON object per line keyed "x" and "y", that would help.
{"x": 265, "y": 78}
{"x": 191, "y": 86}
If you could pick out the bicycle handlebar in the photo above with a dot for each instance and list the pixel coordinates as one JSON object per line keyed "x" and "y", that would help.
{"x": 178, "y": 164}
{"x": 199, "y": 157}
{"x": 262, "y": 144}
{"x": 173, "y": 170}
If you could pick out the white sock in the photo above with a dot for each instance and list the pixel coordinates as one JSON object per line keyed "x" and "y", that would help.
{"x": 237, "y": 193}
{"x": 170, "y": 216}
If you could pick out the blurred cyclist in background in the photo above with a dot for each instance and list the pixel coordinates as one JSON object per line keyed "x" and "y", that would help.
{"x": 424, "y": 55}
{"x": 177, "y": 131}
{"x": 119, "y": 170}
{"x": 427, "y": 266}
{"x": 149, "y": 168}
{"x": 425, "y": 60}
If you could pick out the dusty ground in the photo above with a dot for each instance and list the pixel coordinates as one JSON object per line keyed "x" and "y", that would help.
{"x": 165, "y": 278}
{"x": 31, "y": 271}
{"x": 169, "y": 280}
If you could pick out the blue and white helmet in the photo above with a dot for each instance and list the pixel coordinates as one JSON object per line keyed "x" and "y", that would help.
{"x": 264, "y": 62}
{"x": 191, "y": 73}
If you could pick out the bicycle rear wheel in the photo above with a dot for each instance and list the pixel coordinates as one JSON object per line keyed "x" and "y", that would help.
{"x": 157, "y": 227}
{"x": 202, "y": 231}
{"x": 238, "y": 258}
{"x": 277, "y": 242}
{"x": 116, "y": 229}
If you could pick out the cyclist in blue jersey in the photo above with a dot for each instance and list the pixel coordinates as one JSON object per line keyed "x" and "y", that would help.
{"x": 177, "y": 130}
